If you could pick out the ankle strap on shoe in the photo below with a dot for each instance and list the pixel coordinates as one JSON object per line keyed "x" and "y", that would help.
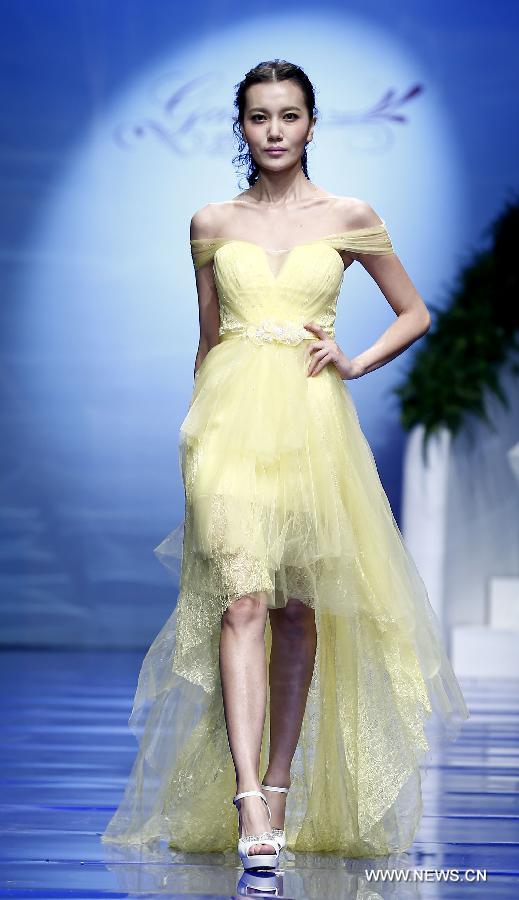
{"x": 267, "y": 787}
{"x": 252, "y": 794}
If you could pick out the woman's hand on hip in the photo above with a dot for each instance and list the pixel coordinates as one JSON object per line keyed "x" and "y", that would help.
{"x": 324, "y": 351}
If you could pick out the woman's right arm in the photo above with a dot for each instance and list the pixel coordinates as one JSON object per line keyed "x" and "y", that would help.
{"x": 208, "y": 306}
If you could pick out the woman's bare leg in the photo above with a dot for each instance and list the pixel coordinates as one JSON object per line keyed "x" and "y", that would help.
{"x": 243, "y": 672}
{"x": 292, "y": 657}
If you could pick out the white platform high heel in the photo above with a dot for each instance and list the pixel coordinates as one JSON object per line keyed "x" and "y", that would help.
{"x": 279, "y": 833}
{"x": 257, "y": 860}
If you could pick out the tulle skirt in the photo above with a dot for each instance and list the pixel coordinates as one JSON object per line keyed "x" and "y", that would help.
{"x": 283, "y": 499}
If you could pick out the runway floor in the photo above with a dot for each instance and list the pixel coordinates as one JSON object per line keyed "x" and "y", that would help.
{"x": 66, "y": 751}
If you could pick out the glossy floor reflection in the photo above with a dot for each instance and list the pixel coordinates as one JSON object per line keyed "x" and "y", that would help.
{"x": 66, "y": 752}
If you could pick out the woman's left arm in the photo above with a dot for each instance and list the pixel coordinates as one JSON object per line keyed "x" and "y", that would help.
{"x": 413, "y": 320}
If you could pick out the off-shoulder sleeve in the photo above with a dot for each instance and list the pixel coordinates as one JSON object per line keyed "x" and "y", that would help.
{"x": 203, "y": 250}
{"x": 374, "y": 239}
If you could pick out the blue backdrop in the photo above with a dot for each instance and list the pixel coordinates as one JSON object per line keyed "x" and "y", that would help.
{"x": 117, "y": 126}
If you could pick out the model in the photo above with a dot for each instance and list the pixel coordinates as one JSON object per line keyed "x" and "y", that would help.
{"x": 303, "y": 661}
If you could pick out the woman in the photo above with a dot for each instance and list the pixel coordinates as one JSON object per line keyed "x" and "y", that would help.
{"x": 292, "y": 560}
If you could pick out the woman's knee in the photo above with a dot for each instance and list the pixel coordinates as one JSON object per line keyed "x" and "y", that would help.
{"x": 246, "y": 610}
{"x": 293, "y": 619}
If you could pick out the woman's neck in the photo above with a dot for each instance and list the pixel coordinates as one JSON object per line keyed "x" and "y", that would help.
{"x": 282, "y": 189}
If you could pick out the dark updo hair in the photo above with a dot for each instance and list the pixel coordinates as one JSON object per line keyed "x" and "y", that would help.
{"x": 272, "y": 70}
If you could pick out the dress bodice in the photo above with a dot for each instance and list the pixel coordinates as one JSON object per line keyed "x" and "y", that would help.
{"x": 272, "y": 303}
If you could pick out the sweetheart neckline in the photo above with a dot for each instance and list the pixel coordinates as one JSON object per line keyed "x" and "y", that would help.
{"x": 326, "y": 237}
{"x": 276, "y": 276}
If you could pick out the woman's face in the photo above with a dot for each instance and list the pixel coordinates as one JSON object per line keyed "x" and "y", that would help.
{"x": 276, "y": 116}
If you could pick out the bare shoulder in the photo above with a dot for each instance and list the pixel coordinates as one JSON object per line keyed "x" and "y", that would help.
{"x": 209, "y": 221}
{"x": 356, "y": 213}
{"x": 202, "y": 223}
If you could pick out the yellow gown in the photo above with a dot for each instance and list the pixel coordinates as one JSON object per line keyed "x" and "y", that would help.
{"x": 283, "y": 498}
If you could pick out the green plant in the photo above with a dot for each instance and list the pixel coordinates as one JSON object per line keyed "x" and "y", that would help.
{"x": 469, "y": 340}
